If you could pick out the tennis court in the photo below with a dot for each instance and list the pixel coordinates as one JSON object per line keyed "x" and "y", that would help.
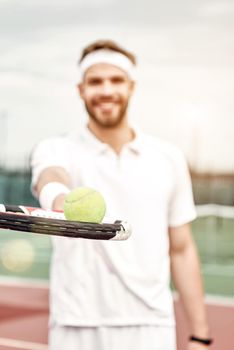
{"x": 24, "y": 270}
{"x": 24, "y": 317}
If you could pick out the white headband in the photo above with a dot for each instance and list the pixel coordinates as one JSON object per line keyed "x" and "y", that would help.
{"x": 110, "y": 57}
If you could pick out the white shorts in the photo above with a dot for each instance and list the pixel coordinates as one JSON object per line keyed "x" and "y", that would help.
{"x": 112, "y": 338}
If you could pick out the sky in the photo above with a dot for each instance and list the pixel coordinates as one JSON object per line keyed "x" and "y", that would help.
{"x": 185, "y": 73}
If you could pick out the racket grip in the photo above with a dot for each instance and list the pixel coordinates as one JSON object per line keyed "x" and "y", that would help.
{"x": 32, "y": 211}
{"x": 12, "y": 209}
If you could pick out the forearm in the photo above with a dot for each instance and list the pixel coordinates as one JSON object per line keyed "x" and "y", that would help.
{"x": 187, "y": 279}
{"x": 52, "y": 174}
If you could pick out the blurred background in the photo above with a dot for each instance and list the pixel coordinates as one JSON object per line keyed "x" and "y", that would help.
{"x": 185, "y": 84}
{"x": 185, "y": 53}
{"x": 185, "y": 77}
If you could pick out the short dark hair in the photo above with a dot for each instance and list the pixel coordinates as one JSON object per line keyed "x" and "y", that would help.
{"x": 109, "y": 45}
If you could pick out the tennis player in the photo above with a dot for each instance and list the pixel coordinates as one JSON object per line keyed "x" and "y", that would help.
{"x": 116, "y": 295}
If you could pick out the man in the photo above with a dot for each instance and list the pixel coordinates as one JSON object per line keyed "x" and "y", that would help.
{"x": 115, "y": 295}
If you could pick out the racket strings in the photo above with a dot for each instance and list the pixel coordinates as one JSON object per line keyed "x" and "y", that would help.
{"x": 59, "y": 227}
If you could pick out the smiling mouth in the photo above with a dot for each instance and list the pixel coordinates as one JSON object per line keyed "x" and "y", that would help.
{"x": 105, "y": 106}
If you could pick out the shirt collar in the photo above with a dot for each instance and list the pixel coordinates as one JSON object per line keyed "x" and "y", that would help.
{"x": 84, "y": 135}
{"x": 98, "y": 146}
{"x": 136, "y": 145}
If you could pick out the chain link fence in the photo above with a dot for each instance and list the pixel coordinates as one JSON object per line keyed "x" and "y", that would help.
{"x": 15, "y": 188}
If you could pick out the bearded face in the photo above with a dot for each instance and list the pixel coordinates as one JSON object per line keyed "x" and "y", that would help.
{"x": 106, "y": 91}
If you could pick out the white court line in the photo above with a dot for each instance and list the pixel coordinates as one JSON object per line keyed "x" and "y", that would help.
{"x": 215, "y": 300}
{"x": 23, "y": 282}
{"x": 219, "y": 300}
{"x": 20, "y": 344}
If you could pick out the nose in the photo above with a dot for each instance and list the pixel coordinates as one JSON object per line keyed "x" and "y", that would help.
{"x": 107, "y": 88}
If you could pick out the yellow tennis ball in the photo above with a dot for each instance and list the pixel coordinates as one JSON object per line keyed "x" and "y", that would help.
{"x": 84, "y": 204}
{"x": 17, "y": 255}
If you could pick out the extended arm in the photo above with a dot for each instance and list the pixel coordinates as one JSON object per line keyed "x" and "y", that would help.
{"x": 186, "y": 275}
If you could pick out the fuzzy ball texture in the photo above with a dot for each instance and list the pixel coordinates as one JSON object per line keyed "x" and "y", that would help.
{"x": 84, "y": 204}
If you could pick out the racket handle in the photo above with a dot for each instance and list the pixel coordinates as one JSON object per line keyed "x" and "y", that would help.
{"x": 32, "y": 211}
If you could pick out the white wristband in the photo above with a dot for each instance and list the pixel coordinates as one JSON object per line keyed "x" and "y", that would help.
{"x": 49, "y": 192}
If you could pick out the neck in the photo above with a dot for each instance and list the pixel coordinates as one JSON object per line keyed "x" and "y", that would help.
{"x": 115, "y": 136}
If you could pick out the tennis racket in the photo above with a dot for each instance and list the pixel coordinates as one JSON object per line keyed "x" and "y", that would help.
{"x": 48, "y": 222}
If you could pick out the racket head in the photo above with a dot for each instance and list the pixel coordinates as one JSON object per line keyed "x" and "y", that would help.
{"x": 119, "y": 230}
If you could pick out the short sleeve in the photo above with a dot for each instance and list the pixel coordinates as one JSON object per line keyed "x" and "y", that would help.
{"x": 181, "y": 209}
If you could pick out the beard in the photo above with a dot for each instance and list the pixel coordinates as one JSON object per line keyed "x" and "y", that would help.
{"x": 108, "y": 121}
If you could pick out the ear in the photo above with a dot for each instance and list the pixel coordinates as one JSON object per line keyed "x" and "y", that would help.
{"x": 132, "y": 85}
{"x": 80, "y": 88}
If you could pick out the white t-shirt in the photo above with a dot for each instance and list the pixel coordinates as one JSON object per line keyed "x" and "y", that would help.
{"x": 95, "y": 283}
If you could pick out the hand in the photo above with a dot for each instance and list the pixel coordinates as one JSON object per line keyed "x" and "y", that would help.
{"x": 58, "y": 202}
{"x": 192, "y": 345}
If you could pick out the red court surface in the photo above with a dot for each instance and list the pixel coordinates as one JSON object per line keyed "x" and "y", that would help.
{"x": 24, "y": 318}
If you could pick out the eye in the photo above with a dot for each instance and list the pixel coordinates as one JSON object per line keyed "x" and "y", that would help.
{"x": 94, "y": 81}
{"x": 117, "y": 80}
